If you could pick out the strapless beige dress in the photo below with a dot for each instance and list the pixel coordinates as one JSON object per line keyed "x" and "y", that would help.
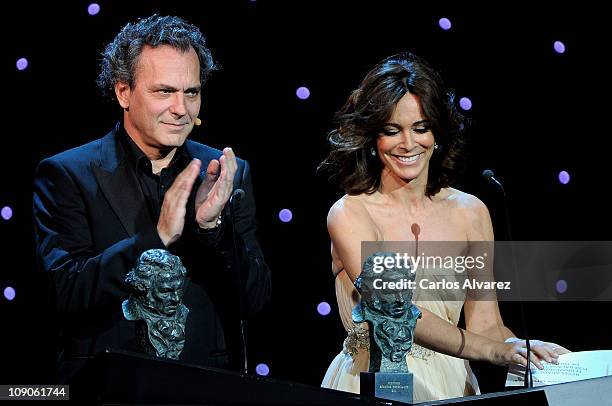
{"x": 435, "y": 375}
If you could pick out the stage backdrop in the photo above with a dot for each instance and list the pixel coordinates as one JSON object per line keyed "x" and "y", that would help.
{"x": 534, "y": 82}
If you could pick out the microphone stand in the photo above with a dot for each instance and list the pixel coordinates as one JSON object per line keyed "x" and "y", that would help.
{"x": 490, "y": 176}
{"x": 235, "y": 198}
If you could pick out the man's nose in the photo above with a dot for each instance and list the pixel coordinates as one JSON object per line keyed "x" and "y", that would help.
{"x": 178, "y": 107}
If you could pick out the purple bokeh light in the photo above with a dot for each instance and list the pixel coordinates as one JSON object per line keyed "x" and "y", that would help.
{"x": 302, "y": 92}
{"x": 9, "y": 293}
{"x": 444, "y": 23}
{"x": 564, "y": 177}
{"x": 465, "y": 103}
{"x": 6, "y": 213}
{"x": 323, "y": 308}
{"x": 22, "y": 63}
{"x": 262, "y": 369}
{"x": 93, "y": 9}
{"x": 285, "y": 215}
{"x": 559, "y": 47}
{"x": 561, "y": 286}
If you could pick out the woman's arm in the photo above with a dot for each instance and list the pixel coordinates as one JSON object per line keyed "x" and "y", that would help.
{"x": 441, "y": 336}
{"x": 483, "y": 317}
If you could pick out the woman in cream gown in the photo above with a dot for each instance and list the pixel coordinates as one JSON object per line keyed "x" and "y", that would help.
{"x": 395, "y": 151}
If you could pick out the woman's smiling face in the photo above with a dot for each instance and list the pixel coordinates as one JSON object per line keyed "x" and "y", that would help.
{"x": 405, "y": 144}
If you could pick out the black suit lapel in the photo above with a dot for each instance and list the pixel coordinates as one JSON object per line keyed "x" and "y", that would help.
{"x": 120, "y": 186}
{"x": 122, "y": 191}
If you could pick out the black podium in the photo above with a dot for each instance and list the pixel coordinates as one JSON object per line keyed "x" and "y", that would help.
{"x": 121, "y": 378}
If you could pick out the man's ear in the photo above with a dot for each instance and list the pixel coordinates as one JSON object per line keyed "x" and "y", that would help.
{"x": 123, "y": 92}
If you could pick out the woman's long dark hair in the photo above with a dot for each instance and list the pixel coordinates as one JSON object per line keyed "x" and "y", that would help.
{"x": 369, "y": 107}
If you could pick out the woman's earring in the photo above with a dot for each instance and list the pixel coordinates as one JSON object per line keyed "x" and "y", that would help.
{"x": 372, "y": 151}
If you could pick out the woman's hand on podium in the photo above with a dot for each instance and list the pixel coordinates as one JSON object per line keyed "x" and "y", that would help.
{"x": 540, "y": 351}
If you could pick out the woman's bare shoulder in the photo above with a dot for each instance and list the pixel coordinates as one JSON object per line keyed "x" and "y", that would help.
{"x": 473, "y": 212}
{"x": 349, "y": 210}
{"x": 461, "y": 200}
{"x": 346, "y": 207}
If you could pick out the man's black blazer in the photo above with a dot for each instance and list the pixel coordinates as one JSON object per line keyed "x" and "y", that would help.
{"x": 92, "y": 224}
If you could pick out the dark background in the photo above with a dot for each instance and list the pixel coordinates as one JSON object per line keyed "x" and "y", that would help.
{"x": 535, "y": 113}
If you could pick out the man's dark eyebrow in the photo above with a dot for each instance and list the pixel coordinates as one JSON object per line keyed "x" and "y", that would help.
{"x": 193, "y": 89}
{"x": 162, "y": 86}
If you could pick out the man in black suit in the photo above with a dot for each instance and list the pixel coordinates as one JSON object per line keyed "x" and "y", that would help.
{"x": 144, "y": 185}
